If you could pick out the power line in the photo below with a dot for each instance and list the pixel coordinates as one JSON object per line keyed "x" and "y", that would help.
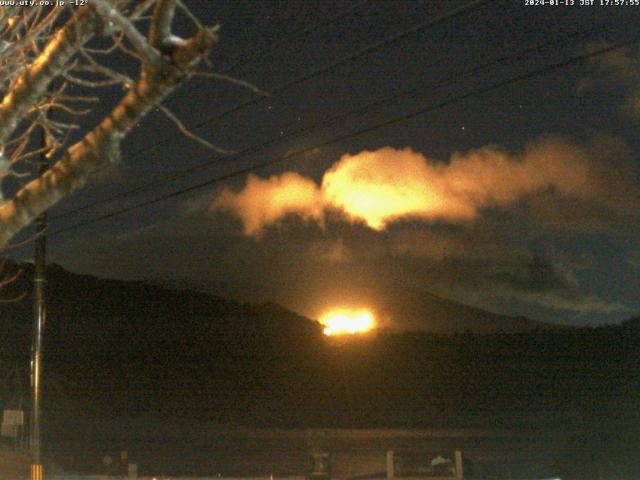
{"x": 479, "y": 91}
{"x": 327, "y": 68}
{"x": 296, "y": 35}
{"x": 452, "y": 79}
{"x": 359, "y": 53}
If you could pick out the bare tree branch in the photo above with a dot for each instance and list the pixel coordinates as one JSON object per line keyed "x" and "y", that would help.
{"x": 235, "y": 81}
{"x": 106, "y": 51}
{"x": 8, "y": 279}
{"x": 32, "y": 83}
{"x": 38, "y": 46}
{"x": 78, "y": 98}
{"x": 89, "y": 83}
{"x": 102, "y": 145}
{"x": 111, "y": 14}
{"x": 185, "y": 131}
{"x": 141, "y": 9}
{"x": 160, "y": 29}
{"x": 6, "y": 13}
{"x": 190, "y": 14}
{"x": 95, "y": 67}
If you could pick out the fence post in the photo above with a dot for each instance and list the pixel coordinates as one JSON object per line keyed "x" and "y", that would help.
{"x": 459, "y": 473}
{"x": 390, "y": 467}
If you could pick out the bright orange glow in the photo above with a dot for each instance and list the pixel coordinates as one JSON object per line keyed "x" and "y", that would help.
{"x": 376, "y": 188}
{"x": 263, "y": 202}
{"x": 345, "y": 321}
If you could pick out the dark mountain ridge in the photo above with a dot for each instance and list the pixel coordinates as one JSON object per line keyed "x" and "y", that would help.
{"x": 415, "y": 310}
{"x": 117, "y": 352}
{"x": 133, "y": 347}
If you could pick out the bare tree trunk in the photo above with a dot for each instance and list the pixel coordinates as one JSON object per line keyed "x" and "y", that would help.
{"x": 167, "y": 61}
{"x": 32, "y": 84}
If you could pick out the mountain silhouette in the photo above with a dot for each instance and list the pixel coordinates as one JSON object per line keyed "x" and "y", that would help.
{"x": 117, "y": 352}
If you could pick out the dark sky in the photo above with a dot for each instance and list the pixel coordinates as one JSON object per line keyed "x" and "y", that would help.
{"x": 546, "y": 168}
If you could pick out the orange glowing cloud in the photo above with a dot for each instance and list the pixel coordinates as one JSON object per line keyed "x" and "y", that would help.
{"x": 382, "y": 186}
{"x": 263, "y": 202}
{"x": 378, "y": 187}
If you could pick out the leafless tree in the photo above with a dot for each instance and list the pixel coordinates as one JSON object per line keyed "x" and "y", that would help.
{"x": 47, "y": 56}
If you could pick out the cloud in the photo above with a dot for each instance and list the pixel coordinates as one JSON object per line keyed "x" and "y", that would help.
{"x": 544, "y": 282}
{"x": 614, "y": 202}
{"x": 479, "y": 264}
{"x": 529, "y": 279}
{"x": 580, "y": 304}
{"x": 377, "y": 188}
{"x": 263, "y": 202}
{"x": 619, "y": 67}
{"x": 452, "y": 245}
{"x": 633, "y": 254}
{"x": 329, "y": 251}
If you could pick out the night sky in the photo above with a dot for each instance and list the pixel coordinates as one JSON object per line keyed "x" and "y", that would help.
{"x": 530, "y": 189}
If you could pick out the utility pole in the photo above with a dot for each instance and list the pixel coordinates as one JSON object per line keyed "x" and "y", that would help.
{"x": 36, "y": 471}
